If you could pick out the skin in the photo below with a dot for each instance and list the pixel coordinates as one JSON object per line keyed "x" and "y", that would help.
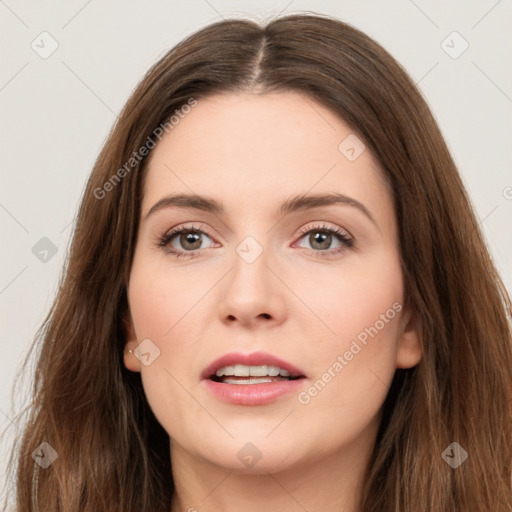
{"x": 252, "y": 153}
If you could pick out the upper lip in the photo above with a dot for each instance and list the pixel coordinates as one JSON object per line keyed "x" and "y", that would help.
{"x": 252, "y": 359}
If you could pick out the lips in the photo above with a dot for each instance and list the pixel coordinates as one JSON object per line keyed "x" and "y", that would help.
{"x": 254, "y": 359}
{"x": 238, "y": 379}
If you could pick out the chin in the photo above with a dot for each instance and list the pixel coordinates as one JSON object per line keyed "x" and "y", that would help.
{"x": 260, "y": 456}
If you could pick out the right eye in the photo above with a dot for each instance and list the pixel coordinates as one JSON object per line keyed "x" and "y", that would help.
{"x": 188, "y": 237}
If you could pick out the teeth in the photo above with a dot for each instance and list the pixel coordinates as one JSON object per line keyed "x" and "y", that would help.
{"x": 242, "y": 370}
{"x": 258, "y": 380}
{"x": 257, "y": 371}
{"x": 273, "y": 371}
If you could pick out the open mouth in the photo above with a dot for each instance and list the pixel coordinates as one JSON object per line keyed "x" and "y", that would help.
{"x": 243, "y": 374}
{"x": 258, "y": 378}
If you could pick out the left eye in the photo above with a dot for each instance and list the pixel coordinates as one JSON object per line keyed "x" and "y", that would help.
{"x": 322, "y": 239}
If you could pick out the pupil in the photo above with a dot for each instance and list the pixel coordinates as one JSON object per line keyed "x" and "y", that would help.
{"x": 319, "y": 237}
{"x": 191, "y": 238}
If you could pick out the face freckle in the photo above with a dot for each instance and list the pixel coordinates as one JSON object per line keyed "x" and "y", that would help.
{"x": 318, "y": 286}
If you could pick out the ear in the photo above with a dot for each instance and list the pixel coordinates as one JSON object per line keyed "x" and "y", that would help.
{"x": 130, "y": 361}
{"x": 409, "y": 350}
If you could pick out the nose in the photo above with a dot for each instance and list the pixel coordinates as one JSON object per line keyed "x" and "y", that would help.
{"x": 252, "y": 294}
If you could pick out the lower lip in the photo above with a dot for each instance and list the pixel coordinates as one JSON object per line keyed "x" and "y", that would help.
{"x": 253, "y": 394}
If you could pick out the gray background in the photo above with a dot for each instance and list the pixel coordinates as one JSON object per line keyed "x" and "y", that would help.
{"x": 57, "y": 110}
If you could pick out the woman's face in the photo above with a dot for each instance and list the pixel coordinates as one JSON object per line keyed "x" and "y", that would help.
{"x": 274, "y": 272}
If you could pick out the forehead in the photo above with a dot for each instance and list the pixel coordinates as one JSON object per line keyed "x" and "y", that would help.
{"x": 253, "y": 150}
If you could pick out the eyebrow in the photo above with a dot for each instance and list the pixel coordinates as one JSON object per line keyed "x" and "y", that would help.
{"x": 296, "y": 203}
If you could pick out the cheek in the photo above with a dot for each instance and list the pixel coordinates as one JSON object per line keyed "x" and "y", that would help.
{"x": 351, "y": 375}
{"x": 160, "y": 299}
{"x": 355, "y": 372}
{"x": 354, "y": 364}
{"x": 352, "y": 298}
{"x": 163, "y": 306}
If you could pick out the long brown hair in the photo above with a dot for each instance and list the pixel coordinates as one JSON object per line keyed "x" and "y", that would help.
{"x": 114, "y": 455}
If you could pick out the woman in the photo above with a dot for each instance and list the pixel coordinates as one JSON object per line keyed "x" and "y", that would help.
{"x": 335, "y": 337}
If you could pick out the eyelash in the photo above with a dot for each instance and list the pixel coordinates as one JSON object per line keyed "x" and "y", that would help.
{"x": 347, "y": 241}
